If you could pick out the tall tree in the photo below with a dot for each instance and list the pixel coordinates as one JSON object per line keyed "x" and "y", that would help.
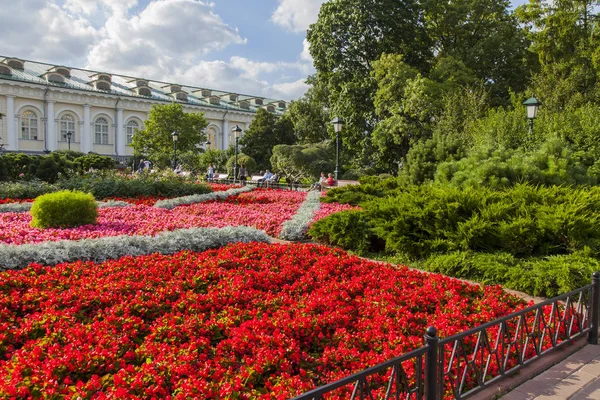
{"x": 486, "y": 37}
{"x": 265, "y": 131}
{"x": 410, "y": 104}
{"x": 565, "y": 38}
{"x": 310, "y": 115}
{"x": 155, "y": 140}
{"x": 347, "y": 38}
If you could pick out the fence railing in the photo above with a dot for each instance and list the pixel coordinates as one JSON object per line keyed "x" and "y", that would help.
{"x": 461, "y": 365}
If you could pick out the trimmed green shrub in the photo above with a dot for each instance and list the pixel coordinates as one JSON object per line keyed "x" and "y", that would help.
{"x": 539, "y": 276}
{"x": 348, "y": 229}
{"x": 370, "y": 187}
{"x": 64, "y": 209}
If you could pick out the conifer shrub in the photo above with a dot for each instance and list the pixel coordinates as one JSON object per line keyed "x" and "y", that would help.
{"x": 349, "y": 230}
{"x": 64, "y": 209}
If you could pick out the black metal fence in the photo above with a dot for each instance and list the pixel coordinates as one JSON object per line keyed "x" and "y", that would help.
{"x": 459, "y": 366}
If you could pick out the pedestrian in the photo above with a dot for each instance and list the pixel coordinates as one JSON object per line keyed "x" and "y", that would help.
{"x": 141, "y": 166}
{"x": 210, "y": 172}
{"x": 243, "y": 174}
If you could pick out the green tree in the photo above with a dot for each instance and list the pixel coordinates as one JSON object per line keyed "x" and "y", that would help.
{"x": 486, "y": 37}
{"x": 265, "y": 131}
{"x": 296, "y": 162}
{"x": 347, "y": 38}
{"x": 155, "y": 140}
{"x": 309, "y": 119}
{"x": 410, "y": 104}
{"x": 565, "y": 40}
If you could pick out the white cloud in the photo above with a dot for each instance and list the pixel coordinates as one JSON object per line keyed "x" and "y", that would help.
{"x": 168, "y": 40}
{"x": 88, "y": 7}
{"x": 254, "y": 69}
{"x": 289, "y": 90}
{"x": 165, "y": 31}
{"x": 297, "y": 15}
{"x": 305, "y": 55}
{"x": 41, "y": 30}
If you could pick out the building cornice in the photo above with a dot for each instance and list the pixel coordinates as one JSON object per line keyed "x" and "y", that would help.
{"x": 30, "y": 90}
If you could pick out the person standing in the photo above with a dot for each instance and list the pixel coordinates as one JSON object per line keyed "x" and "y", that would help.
{"x": 210, "y": 172}
{"x": 243, "y": 174}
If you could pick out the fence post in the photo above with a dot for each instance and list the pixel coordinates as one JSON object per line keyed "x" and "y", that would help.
{"x": 431, "y": 364}
{"x": 595, "y": 308}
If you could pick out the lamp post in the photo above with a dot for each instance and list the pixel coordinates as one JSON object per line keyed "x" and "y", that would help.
{"x": 237, "y": 131}
{"x": 175, "y": 136}
{"x": 69, "y": 134}
{"x": 532, "y": 105}
{"x": 338, "y": 125}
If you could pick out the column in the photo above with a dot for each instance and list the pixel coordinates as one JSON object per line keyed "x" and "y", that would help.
{"x": 86, "y": 135}
{"x": 12, "y": 139}
{"x": 51, "y": 142}
{"x": 120, "y": 134}
{"x": 225, "y": 134}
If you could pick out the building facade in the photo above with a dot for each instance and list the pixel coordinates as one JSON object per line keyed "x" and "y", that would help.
{"x": 51, "y": 107}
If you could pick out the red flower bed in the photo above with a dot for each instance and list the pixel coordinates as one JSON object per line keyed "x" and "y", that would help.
{"x": 139, "y": 200}
{"x": 221, "y": 187}
{"x": 7, "y": 201}
{"x": 246, "y": 321}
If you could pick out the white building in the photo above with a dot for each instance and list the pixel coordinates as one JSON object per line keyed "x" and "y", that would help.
{"x": 42, "y": 103}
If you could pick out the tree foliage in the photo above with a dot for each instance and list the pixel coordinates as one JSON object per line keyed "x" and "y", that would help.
{"x": 265, "y": 131}
{"x": 296, "y": 162}
{"x": 155, "y": 141}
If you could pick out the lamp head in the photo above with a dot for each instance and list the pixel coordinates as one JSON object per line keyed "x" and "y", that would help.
{"x": 237, "y": 131}
{"x": 532, "y": 105}
{"x": 175, "y": 135}
{"x": 338, "y": 124}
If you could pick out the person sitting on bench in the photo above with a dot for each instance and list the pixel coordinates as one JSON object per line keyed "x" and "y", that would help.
{"x": 266, "y": 176}
{"x": 274, "y": 179}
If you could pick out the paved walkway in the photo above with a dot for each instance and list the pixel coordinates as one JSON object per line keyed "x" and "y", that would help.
{"x": 575, "y": 378}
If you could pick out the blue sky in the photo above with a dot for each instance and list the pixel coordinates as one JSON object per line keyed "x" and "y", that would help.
{"x": 248, "y": 46}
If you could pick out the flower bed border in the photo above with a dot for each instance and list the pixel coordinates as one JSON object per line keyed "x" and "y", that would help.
{"x": 200, "y": 198}
{"x": 101, "y": 249}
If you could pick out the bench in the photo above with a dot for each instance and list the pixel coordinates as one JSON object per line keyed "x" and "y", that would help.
{"x": 254, "y": 179}
{"x": 221, "y": 177}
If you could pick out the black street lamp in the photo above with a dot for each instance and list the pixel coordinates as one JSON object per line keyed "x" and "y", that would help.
{"x": 532, "y": 105}
{"x": 69, "y": 134}
{"x": 175, "y": 136}
{"x": 237, "y": 131}
{"x": 338, "y": 125}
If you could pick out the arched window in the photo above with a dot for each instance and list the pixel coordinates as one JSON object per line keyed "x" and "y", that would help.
{"x": 29, "y": 126}
{"x": 211, "y": 134}
{"x": 101, "y": 131}
{"x": 67, "y": 124}
{"x": 130, "y": 130}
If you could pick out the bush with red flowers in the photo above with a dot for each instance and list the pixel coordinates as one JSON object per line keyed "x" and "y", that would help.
{"x": 245, "y": 321}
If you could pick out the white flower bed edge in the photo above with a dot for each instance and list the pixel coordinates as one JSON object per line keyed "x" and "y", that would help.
{"x": 295, "y": 228}
{"x": 200, "y": 198}
{"x": 24, "y": 207}
{"x": 101, "y": 249}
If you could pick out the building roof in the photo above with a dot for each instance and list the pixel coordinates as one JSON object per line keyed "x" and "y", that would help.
{"x": 122, "y": 85}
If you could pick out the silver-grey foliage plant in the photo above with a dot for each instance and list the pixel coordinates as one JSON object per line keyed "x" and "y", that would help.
{"x": 24, "y": 207}
{"x": 201, "y": 198}
{"x": 101, "y": 249}
{"x": 295, "y": 228}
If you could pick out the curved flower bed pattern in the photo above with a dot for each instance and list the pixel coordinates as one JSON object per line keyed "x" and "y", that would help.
{"x": 262, "y": 209}
{"x": 247, "y": 321}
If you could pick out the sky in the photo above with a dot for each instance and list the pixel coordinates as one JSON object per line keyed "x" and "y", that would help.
{"x": 253, "y": 47}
